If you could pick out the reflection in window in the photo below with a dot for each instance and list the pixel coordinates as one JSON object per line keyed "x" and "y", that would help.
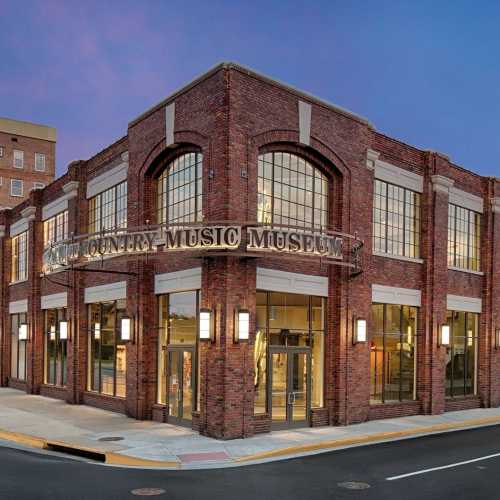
{"x": 108, "y": 353}
{"x": 55, "y": 228}
{"x": 179, "y": 190}
{"x": 461, "y": 353}
{"x": 464, "y": 238}
{"x": 396, "y": 220}
{"x": 55, "y": 348}
{"x": 291, "y": 192}
{"x": 392, "y": 353}
{"x": 108, "y": 210}
{"x": 18, "y": 347}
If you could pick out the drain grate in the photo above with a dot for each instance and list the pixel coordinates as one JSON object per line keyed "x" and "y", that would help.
{"x": 353, "y": 485}
{"x": 147, "y": 492}
{"x": 111, "y": 438}
{"x": 77, "y": 452}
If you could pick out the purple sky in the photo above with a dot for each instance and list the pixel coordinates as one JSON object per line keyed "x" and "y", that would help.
{"x": 425, "y": 72}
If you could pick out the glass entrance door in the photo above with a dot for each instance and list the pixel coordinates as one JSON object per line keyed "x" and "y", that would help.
{"x": 180, "y": 385}
{"x": 289, "y": 388}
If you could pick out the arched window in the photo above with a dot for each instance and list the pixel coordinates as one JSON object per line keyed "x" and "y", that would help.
{"x": 179, "y": 190}
{"x": 291, "y": 191}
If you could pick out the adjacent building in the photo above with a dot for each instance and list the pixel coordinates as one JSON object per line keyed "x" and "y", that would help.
{"x": 249, "y": 257}
{"x": 27, "y": 159}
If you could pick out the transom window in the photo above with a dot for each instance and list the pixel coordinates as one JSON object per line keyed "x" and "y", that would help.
{"x": 108, "y": 210}
{"x": 464, "y": 238}
{"x": 291, "y": 192}
{"x": 179, "y": 190}
{"x": 396, "y": 220}
{"x": 55, "y": 228}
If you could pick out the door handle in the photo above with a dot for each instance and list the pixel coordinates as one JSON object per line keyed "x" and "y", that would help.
{"x": 290, "y": 398}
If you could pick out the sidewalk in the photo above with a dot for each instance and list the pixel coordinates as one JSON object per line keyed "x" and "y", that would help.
{"x": 47, "y": 423}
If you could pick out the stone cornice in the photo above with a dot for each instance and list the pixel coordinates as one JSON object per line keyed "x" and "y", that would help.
{"x": 71, "y": 189}
{"x": 495, "y": 205}
{"x": 371, "y": 158}
{"x": 29, "y": 213}
{"x": 441, "y": 184}
{"x": 2, "y": 231}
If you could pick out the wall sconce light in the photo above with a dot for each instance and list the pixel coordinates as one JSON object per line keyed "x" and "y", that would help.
{"x": 207, "y": 329}
{"x": 444, "y": 335}
{"x": 241, "y": 325}
{"x": 97, "y": 331}
{"x": 52, "y": 332}
{"x": 63, "y": 330}
{"x": 23, "y": 331}
{"x": 126, "y": 330}
{"x": 497, "y": 338}
{"x": 359, "y": 331}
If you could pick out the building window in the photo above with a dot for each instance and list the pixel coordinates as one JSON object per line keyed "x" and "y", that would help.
{"x": 39, "y": 162}
{"x": 55, "y": 348}
{"x": 16, "y": 187}
{"x": 108, "y": 353}
{"x": 55, "y": 228}
{"x": 396, "y": 220}
{"x": 179, "y": 190}
{"x": 464, "y": 238}
{"x": 392, "y": 353}
{"x": 291, "y": 192}
{"x": 19, "y": 249}
{"x": 18, "y": 158}
{"x": 461, "y": 353}
{"x": 1, "y": 151}
{"x": 18, "y": 347}
{"x": 108, "y": 210}
{"x": 38, "y": 185}
{"x": 178, "y": 369}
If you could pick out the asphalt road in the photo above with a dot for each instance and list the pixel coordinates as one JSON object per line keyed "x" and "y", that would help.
{"x": 26, "y": 475}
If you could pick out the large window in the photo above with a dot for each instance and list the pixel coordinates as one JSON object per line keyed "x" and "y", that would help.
{"x": 18, "y": 347}
{"x": 179, "y": 190}
{"x": 461, "y": 353}
{"x": 19, "y": 264}
{"x": 108, "y": 352}
{"x": 291, "y": 192}
{"x": 39, "y": 162}
{"x": 18, "y": 158}
{"x": 290, "y": 321}
{"x": 396, "y": 220}
{"x": 56, "y": 228}
{"x": 108, "y": 210}
{"x": 392, "y": 353}
{"x": 55, "y": 348}
{"x": 464, "y": 238}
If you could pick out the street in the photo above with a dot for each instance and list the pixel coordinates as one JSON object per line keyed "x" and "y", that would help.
{"x": 26, "y": 475}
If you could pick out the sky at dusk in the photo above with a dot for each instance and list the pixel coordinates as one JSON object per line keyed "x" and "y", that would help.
{"x": 425, "y": 72}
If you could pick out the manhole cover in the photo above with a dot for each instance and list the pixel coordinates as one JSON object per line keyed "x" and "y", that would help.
{"x": 353, "y": 485}
{"x": 111, "y": 438}
{"x": 147, "y": 492}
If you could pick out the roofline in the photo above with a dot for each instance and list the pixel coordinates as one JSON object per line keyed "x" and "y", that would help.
{"x": 24, "y": 128}
{"x": 256, "y": 74}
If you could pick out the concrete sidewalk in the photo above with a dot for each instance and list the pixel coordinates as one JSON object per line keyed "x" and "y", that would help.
{"x": 47, "y": 423}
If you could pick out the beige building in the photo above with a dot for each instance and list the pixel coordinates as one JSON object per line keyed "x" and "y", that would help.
{"x": 27, "y": 159}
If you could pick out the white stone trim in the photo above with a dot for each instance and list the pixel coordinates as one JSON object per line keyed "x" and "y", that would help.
{"x": 18, "y": 306}
{"x": 71, "y": 189}
{"x": 105, "y": 293}
{"x": 460, "y": 303}
{"x": 466, "y": 200}
{"x": 304, "y": 122}
{"x": 395, "y": 175}
{"x": 441, "y": 184}
{"x": 55, "y": 207}
{"x": 282, "y": 281}
{"x": 395, "y": 295}
{"x": 399, "y": 257}
{"x": 169, "y": 123}
{"x": 371, "y": 158}
{"x": 469, "y": 271}
{"x": 29, "y": 213}
{"x": 107, "y": 180}
{"x": 495, "y": 205}
{"x": 178, "y": 281}
{"x": 18, "y": 227}
{"x": 54, "y": 300}
{"x": 2, "y": 231}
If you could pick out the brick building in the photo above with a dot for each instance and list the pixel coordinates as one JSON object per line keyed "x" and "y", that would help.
{"x": 250, "y": 257}
{"x": 27, "y": 159}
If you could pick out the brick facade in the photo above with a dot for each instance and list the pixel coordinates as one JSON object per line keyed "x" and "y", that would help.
{"x": 231, "y": 115}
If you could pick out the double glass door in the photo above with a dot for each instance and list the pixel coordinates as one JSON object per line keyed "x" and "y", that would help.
{"x": 289, "y": 388}
{"x": 180, "y": 385}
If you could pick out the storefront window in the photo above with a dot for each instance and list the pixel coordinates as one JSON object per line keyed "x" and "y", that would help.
{"x": 108, "y": 353}
{"x": 392, "y": 353}
{"x": 179, "y": 190}
{"x": 18, "y": 347}
{"x": 461, "y": 353}
{"x": 55, "y": 348}
{"x": 177, "y": 342}
{"x": 291, "y": 191}
{"x": 464, "y": 238}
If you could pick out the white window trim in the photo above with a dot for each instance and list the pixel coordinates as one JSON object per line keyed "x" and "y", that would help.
{"x": 107, "y": 180}
{"x": 44, "y": 162}
{"x": 386, "y": 172}
{"x": 2, "y": 151}
{"x": 54, "y": 300}
{"x": 466, "y": 200}
{"x": 462, "y": 270}
{"x": 178, "y": 281}
{"x": 465, "y": 304}
{"x": 106, "y": 293}
{"x": 283, "y": 281}
{"x": 395, "y": 295}
{"x": 22, "y": 188}
{"x": 18, "y": 306}
{"x": 14, "y": 158}
{"x": 398, "y": 257}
